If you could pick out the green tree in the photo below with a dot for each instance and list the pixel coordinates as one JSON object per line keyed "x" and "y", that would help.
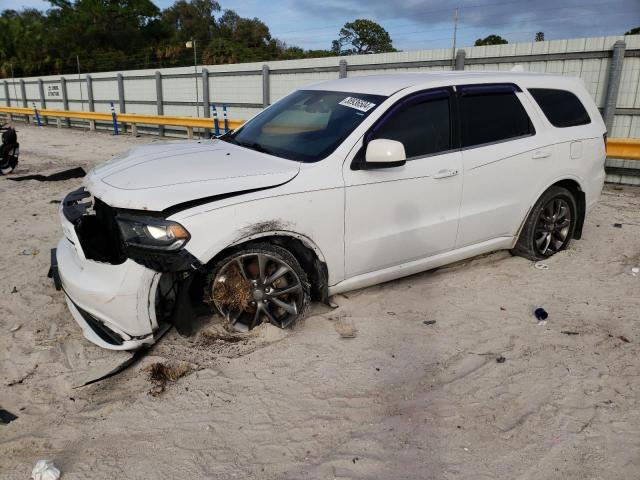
{"x": 490, "y": 40}
{"x": 633, "y": 31}
{"x": 132, "y": 34}
{"x": 539, "y": 37}
{"x": 361, "y": 37}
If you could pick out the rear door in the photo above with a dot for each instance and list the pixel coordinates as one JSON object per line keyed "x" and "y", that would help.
{"x": 396, "y": 215}
{"x": 505, "y": 160}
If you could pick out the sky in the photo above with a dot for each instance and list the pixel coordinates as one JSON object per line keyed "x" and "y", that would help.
{"x": 419, "y": 24}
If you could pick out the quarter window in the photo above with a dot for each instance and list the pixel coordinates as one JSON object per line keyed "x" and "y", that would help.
{"x": 562, "y": 108}
{"x": 491, "y": 116}
{"x": 423, "y": 126}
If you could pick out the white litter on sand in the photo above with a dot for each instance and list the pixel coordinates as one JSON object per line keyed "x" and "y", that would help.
{"x": 45, "y": 470}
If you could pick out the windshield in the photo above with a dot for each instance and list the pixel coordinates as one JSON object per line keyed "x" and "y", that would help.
{"x": 307, "y": 125}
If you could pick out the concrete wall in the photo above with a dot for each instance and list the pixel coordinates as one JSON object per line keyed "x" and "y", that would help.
{"x": 241, "y": 86}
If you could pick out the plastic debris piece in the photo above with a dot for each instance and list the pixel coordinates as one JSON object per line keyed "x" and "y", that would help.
{"x": 617, "y": 225}
{"x": 6, "y": 416}
{"x": 541, "y": 266}
{"x": 569, "y": 332}
{"x": 15, "y": 328}
{"x": 501, "y": 359}
{"x": 624, "y": 339}
{"x": 15, "y": 290}
{"x": 345, "y": 329}
{"x": 429, "y": 322}
{"x": 45, "y": 470}
{"x": 29, "y": 252}
{"x": 541, "y": 313}
{"x": 635, "y": 271}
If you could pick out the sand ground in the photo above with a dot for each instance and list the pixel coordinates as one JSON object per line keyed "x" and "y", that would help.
{"x": 401, "y": 400}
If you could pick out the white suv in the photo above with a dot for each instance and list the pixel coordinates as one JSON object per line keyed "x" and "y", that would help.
{"x": 337, "y": 186}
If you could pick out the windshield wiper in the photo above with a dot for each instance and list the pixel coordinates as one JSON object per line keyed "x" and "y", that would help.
{"x": 228, "y": 138}
{"x": 255, "y": 146}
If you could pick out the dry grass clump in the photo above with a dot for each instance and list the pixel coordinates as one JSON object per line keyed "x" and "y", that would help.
{"x": 161, "y": 373}
{"x": 231, "y": 290}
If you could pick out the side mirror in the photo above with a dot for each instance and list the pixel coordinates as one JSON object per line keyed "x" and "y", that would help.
{"x": 383, "y": 153}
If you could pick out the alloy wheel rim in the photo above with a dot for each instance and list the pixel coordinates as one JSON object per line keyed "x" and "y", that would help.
{"x": 255, "y": 288}
{"x": 552, "y": 228}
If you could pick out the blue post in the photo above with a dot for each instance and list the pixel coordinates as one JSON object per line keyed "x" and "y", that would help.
{"x": 216, "y": 125}
{"x": 35, "y": 110}
{"x": 226, "y": 120}
{"x": 115, "y": 119}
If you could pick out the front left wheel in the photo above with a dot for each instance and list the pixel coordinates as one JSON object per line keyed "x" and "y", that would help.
{"x": 261, "y": 283}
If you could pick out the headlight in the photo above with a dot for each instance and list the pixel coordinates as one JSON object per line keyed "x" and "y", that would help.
{"x": 153, "y": 233}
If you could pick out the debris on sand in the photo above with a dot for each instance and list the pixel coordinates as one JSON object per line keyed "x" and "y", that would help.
{"x": 541, "y": 266}
{"x": 345, "y": 328}
{"x": 268, "y": 333}
{"x": 501, "y": 359}
{"x": 161, "y": 373}
{"x": 541, "y": 314}
{"x": 429, "y": 322}
{"x": 45, "y": 470}
{"x": 77, "y": 172}
{"x": 210, "y": 337}
{"x": 624, "y": 339}
{"x": 6, "y": 416}
{"x": 231, "y": 290}
{"x": 569, "y": 332}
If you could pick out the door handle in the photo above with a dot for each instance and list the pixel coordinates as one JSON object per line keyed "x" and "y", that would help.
{"x": 541, "y": 154}
{"x": 446, "y": 173}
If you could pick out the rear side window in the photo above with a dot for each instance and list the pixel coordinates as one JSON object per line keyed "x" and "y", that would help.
{"x": 423, "y": 126}
{"x": 562, "y": 108}
{"x": 491, "y": 116}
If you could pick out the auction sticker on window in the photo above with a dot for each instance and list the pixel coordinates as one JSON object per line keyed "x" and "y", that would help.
{"x": 357, "y": 103}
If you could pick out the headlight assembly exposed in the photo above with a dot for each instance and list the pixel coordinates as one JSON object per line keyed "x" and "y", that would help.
{"x": 152, "y": 232}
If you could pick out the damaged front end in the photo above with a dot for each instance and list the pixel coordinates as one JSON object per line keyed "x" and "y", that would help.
{"x": 126, "y": 274}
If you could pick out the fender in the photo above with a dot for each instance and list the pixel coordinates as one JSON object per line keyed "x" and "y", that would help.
{"x": 285, "y": 233}
{"x": 580, "y": 220}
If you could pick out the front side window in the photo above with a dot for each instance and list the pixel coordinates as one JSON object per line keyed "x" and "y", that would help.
{"x": 491, "y": 114}
{"x": 421, "y": 123}
{"x": 307, "y": 125}
{"x": 562, "y": 108}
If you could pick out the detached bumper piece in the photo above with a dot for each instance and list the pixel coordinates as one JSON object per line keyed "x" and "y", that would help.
{"x": 53, "y": 270}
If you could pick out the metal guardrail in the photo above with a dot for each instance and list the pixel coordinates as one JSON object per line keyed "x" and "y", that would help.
{"x": 126, "y": 118}
{"x": 625, "y": 148}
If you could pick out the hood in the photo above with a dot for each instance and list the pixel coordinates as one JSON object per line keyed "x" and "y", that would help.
{"x": 160, "y": 175}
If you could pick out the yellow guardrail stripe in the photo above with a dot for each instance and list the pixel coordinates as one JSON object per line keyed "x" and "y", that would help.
{"x": 127, "y": 118}
{"x": 626, "y": 148}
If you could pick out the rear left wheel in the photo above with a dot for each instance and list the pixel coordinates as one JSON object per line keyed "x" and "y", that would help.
{"x": 261, "y": 283}
{"x": 550, "y": 225}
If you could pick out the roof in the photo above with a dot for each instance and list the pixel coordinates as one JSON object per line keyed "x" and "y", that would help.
{"x": 389, "y": 84}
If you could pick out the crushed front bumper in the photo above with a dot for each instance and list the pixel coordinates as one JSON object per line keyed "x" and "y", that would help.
{"x": 113, "y": 304}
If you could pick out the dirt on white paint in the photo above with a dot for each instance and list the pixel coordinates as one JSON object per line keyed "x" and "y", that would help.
{"x": 401, "y": 399}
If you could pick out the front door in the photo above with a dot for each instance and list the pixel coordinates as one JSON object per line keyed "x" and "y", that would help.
{"x": 399, "y": 214}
